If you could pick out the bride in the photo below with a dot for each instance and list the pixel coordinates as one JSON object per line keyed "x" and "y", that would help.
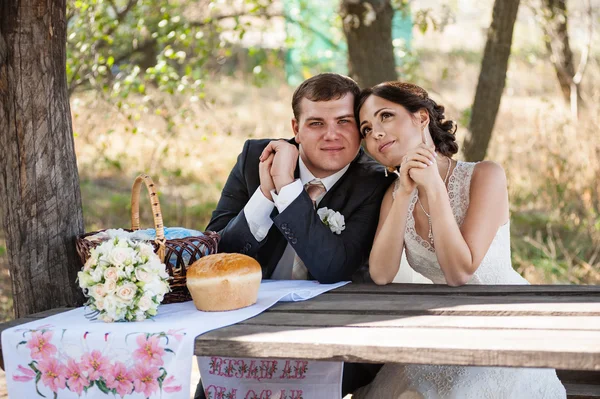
{"x": 452, "y": 219}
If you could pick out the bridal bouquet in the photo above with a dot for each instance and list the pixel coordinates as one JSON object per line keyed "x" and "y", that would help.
{"x": 123, "y": 280}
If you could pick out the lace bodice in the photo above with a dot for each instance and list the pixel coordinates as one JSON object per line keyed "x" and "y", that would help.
{"x": 496, "y": 267}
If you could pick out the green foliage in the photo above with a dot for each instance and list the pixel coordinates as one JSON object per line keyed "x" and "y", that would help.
{"x": 131, "y": 49}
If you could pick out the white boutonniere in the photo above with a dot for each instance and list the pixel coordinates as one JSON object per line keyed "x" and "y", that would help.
{"x": 332, "y": 219}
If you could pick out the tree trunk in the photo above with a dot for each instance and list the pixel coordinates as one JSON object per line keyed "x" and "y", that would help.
{"x": 492, "y": 79}
{"x": 39, "y": 186}
{"x": 368, "y": 30}
{"x": 556, "y": 37}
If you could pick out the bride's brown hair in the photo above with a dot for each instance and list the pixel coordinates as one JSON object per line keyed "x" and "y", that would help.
{"x": 415, "y": 98}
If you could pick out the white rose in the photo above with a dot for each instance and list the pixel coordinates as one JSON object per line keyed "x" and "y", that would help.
{"x": 145, "y": 303}
{"x": 142, "y": 275}
{"x": 119, "y": 256}
{"x": 127, "y": 291}
{"x": 122, "y": 243}
{"x": 336, "y": 222}
{"x": 154, "y": 265}
{"x": 146, "y": 251}
{"x": 96, "y": 274}
{"x": 156, "y": 287}
{"x": 111, "y": 273}
{"x": 110, "y": 304}
{"x": 85, "y": 280}
{"x": 110, "y": 286}
{"x": 105, "y": 248}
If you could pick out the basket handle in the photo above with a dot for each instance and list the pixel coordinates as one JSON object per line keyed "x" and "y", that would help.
{"x": 156, "y": 212}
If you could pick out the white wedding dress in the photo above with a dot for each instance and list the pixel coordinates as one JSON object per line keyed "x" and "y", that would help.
{"x": 396, "y": 381}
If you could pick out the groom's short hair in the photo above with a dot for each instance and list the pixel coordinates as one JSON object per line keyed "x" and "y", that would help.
{"x": 323, "y": 87}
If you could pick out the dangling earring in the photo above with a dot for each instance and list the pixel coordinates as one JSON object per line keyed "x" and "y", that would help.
{"x": 425, "y": 132}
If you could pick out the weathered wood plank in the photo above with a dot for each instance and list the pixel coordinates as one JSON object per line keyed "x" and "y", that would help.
{"x": 446, "y": 305}
{"x": 579, "y": 323}
{"x": 479, "y": 290}
{"x": 579, "y": 377}
{"x": 582, "y": 391}
{"x": 576, "y": 350}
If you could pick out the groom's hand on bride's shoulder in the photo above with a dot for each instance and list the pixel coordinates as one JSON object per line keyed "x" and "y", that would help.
{"x": 285, "y": 159}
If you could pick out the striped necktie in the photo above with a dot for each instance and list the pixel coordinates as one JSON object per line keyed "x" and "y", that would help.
{"x": 315, "y": 190}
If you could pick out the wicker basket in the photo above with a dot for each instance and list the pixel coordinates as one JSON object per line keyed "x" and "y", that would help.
{"x": 173, "y": 253}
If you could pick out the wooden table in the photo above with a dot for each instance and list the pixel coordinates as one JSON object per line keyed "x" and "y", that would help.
{"x": 519, "y": 326}
{"x": 524, "y": 326}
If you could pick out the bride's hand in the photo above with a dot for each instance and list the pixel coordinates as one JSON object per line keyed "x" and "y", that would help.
{"x": 419, "y": 158}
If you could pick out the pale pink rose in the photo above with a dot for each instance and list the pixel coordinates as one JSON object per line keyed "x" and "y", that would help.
{"x": 149, "y": 351}
{"x": 176, "y": 334}
{"x": 145, "y": 303}
{"x": 40, "y": 345}
{"x": 110, "y": 286}
{"x": 118, "y": 256}
{"x": 75, "y": 378}
{"x": 142, "y": 275}
{"x": 106, "y": 318}
{"x": 99, "y": 303}
{"x": 98, "y": 291}
{"x": 28, "y": 375}
{"x": 91, "y": 262}
{"x": 168, "y": 386}
{"x": 111, "y": 273}
{"x": 145, "y": 378}
{"x": 95, "y": 364}
{"x": 53, "y": 374}
{"x": 127, "y": 291}
{"x": 119, "y": 378}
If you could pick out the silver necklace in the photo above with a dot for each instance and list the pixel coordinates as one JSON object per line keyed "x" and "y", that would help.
{"x": 430, "y": 235}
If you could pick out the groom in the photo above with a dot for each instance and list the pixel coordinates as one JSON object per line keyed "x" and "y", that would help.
{"x": 269, "y": 205}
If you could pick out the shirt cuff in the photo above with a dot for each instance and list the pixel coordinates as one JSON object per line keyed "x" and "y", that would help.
{"x": 258, "y": 215}
{"x": 287, "y": 195}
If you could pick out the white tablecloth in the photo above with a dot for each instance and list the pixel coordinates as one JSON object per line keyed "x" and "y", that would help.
{"x": 68, "y": 356}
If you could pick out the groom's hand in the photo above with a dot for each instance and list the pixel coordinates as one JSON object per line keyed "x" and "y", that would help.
{"x": 284, "y": 162}
{"x": 264, "y": 173}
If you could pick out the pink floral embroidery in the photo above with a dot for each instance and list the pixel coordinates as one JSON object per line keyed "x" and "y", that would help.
{"x": 53, "y": 374}
{"x": 149, "y": 351}
{"x": 75, "y": 378}
{"x": 145, "y": 378}
{"x": 95, "y": 364}
{"x": 97, "y": 371}
{"x": 28, "y": 375}
{"x": 40, "y": 345}
{"x": 168, "y": 388}
{"x": 120, "y": 378}
{"x": 175, "y": 334}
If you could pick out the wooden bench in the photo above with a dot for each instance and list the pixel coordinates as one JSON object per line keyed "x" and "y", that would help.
{"x": 515, "y": 326}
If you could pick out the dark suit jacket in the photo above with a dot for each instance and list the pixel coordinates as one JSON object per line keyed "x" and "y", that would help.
{"x": 329, "y": 257}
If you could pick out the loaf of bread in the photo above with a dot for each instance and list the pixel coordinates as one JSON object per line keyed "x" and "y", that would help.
{"x": 224, "y": 282}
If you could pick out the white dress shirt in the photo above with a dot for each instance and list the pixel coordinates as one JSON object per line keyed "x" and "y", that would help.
{"x": 258, "y": 212}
